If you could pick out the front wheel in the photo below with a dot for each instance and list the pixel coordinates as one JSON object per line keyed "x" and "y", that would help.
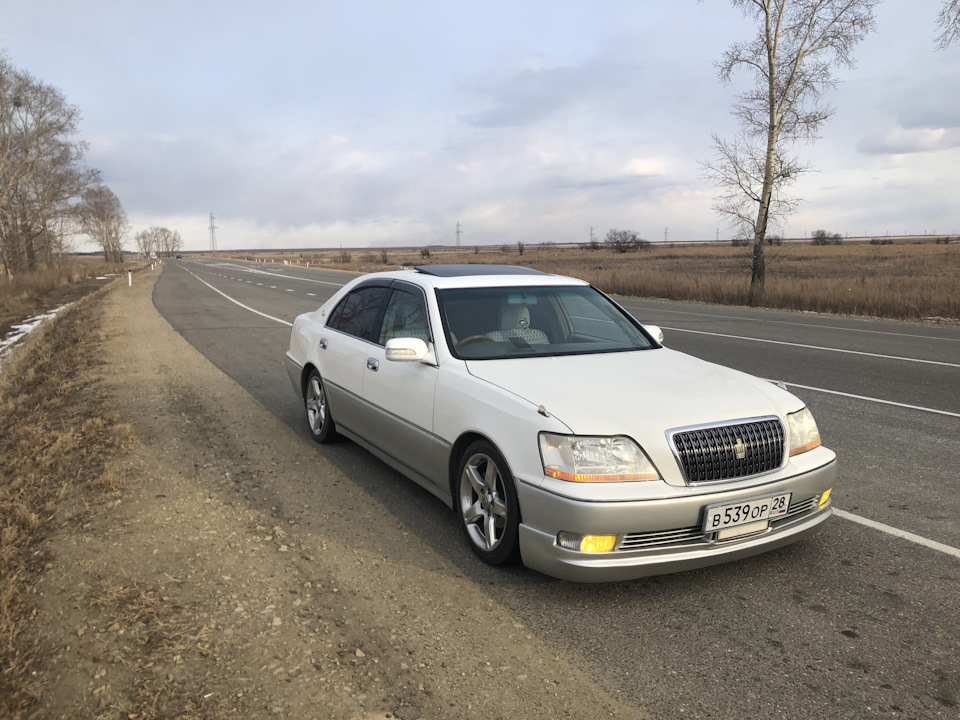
{"x": 487, "y": 504}
{"x": 319, "y": 419}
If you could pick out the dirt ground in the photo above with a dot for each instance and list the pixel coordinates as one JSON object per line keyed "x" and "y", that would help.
{"x": 225, "y": 569}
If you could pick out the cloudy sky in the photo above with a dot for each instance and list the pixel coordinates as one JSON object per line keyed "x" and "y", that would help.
{"x": 386, "y": 122}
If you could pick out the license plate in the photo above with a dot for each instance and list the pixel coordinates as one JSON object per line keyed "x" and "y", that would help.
{"x": 742, "y": 512}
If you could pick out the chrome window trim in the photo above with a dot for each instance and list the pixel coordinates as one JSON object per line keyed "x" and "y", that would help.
{"x": 417, "y": 290}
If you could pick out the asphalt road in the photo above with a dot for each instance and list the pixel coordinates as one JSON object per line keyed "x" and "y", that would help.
{"x": 859, "y": 621}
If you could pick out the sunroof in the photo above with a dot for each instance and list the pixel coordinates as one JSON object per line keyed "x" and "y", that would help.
{"x": 467, "y": 270}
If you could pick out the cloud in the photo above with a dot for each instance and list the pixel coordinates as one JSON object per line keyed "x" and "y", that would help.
{"x": 904, "y": 141}
{"x": 532, "y": 95}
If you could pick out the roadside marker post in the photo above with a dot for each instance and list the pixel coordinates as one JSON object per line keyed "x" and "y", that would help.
{"x": 129, "y": 278}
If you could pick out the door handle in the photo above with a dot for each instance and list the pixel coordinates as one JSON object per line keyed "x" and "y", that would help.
{"x": 373, "y": 364}
{"x": 323, "y": 343}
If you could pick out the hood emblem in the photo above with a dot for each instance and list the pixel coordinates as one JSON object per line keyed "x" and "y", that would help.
{"x": 740, "y": 449}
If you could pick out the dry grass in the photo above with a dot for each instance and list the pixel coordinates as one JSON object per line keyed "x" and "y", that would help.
{"x": 55, "y": 438}
{"x": 29, "y": 286}
{"x": 902, "y": 281}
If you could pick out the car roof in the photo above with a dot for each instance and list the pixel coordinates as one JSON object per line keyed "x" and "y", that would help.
{"x": 475, "y": 269}
{"x": 470, "y": 276}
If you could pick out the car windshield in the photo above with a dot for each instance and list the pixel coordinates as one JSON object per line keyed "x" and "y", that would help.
{"x": 508, "y": 322}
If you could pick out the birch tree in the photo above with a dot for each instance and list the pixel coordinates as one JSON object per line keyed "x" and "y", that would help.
{"x": 790, "y": 64}
{"x": 948, "y": 22}
{"x": 160, "y": 240}
{"x": 102, "y": 217}
{"x": 41, "y": 170}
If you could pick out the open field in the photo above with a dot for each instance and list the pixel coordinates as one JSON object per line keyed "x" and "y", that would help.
{"x": 22, "y": 296}
{"x": 903, "y": 281}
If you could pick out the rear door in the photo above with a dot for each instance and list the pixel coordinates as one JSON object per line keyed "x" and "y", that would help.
{"x": 345, "y": 344}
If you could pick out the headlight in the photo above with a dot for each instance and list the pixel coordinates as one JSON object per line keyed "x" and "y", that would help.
{"x": 804, "y": 434}
{"x": 594, "y": 459}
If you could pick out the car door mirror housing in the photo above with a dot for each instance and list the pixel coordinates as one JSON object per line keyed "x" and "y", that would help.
{"x": 655, "y": 332}
{"x": 406, "y": 350}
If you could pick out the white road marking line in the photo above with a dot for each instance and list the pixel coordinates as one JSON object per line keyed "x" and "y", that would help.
{"x": 289, "y": 289}
{"x": 285, "y": 277}
{"x": 312, "y": 294}
{"x": 273, "y": 287}
{"x": 871, "y": 399}
{"x": 932, "y": 544}
{"x": 787, "y": 322}
{"x": 245, "y": 307}
{"x": 816, "y": 347}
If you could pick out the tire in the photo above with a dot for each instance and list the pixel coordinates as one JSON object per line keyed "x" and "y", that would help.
{"x": 317, "y": 408}
{"x": 486, "y": 503}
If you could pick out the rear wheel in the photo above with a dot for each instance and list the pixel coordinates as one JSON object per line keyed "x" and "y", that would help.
{"x": 487, "y": 504}
{"x": 319, "y": 420}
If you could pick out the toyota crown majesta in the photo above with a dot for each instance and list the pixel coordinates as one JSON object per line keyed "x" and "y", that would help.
{"x": 557, "y": 427}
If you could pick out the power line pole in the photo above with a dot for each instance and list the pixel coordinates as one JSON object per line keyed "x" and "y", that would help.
{"x": 665, "y": 234}
{"x": 213, "y": 235}
{"x": 458, "y": 234}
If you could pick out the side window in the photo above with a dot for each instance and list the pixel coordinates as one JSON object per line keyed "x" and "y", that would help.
{"x": 405, "y": 317}
{"x": 357, "y": 313}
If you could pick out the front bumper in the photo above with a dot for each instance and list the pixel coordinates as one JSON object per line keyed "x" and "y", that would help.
{"x": 658, "y": 537}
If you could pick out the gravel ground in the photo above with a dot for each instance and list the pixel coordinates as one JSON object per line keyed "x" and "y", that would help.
{"x": 233, "y": 572}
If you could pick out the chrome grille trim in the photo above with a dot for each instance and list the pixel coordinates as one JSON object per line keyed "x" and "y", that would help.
{"x": 680, "y": 537}
{"x": 708, "y": 453}
{"x": 800, "y": 507}
{"x": 658, "y": 538}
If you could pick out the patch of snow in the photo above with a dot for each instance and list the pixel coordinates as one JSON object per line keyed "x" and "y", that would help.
{"x": 21, "y": 331}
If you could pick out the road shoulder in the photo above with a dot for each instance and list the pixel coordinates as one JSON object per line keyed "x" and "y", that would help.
{"x": 235, "y": 572}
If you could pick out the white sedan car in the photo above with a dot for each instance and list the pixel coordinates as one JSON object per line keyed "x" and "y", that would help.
{"x": 556, "y": 426}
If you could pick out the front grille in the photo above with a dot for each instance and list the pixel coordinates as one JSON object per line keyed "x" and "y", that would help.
{"x": 711, "y": 454}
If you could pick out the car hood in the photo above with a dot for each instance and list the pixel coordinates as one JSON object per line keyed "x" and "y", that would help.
{"x": 640, "y": 394}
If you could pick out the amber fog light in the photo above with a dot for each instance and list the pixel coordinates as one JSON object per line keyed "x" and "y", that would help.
{"x": 586, "y": 543}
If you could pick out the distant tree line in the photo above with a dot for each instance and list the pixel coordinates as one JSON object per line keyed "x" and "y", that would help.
{"x": 48, "y": 195}
{"x": 159, "y": 241}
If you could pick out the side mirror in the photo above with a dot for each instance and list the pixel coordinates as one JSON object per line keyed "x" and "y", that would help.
{"x": 655, "y": 332}
{"x": 406, "y": 350}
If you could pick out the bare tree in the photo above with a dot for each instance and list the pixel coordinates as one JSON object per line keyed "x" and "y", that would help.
{"x": 158, "y": 240}
{"x": 823, "y": 237}
{"x": 145, "y": 242}
{"x": 41, "y": 171}
{"x": 102, "y": 218}
{"x": 948, "y": 22}
{"x": 624, "y": 241}
{"x": 798, "y": 42}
